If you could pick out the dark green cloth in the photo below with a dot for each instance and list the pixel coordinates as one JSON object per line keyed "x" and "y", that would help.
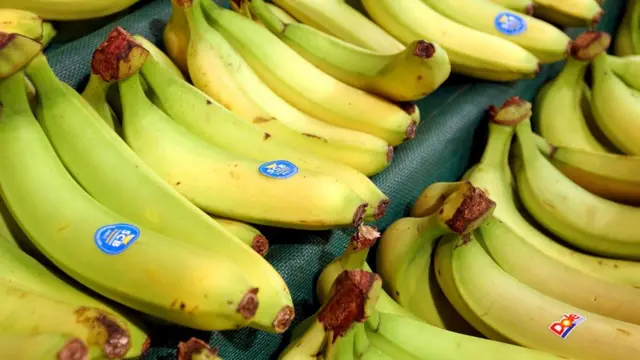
{"x": 442, "y": 150}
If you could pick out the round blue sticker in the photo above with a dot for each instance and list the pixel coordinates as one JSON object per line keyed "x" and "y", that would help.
{"x": 278, "y": 169}
{"x": 116, "y": 238}
{"x": 510, "y": 23}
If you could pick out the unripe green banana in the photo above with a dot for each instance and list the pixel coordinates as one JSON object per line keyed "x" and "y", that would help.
{"x": 545, "y": 41}
{"x": 247, "y": 234}
{"x": 320, "y": 95}
{"x": 470, "y": 51}
{"x": 169, "y": 279}
{"x": 407, "y": 75}
{"x": 627, "y": 40}
{"x": 95, "y": 93}
{"x": 337, "y": 18}
{"x": 282, "y": 14}
{"x": 627, "y": 68}
{"x": 159, "y": 55}
{"x": 575, "y": 13}
{"x": 226, "y": 184}
{"x": 208, "y": 120}
{"x": 42, "y": 346}
{"x": 48, "y": 33}
{"x": 21, "y": 22}
{"x": 17, "y": 51}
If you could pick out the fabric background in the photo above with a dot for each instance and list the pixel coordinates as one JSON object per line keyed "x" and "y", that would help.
{"x": 449, "y": 138}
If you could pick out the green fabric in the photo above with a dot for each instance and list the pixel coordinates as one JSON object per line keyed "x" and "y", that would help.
{"x": 442, "y": 150}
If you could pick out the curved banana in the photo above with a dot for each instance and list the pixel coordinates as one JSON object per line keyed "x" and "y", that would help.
{"x": 16, "y": 52}
{"x": 247, "y": 234}
{"x": 21, "y": 22}
{"x": 626, "y": 40}
{"x": 405, "y": 252}
{"x": 407, "y": 75}
{"x": 545, "y": 41}
{"x": 522, "y": 6}
{"x": 531, "y": 318}
{"x": 48, "y": 33}
{"x": 627, "y": 68}
{"x": 282, "y": 14}
{"x": 159, "y": 55}
{"x": 612, "y": 176}
{"x": 176, "y": 277}
{"x": 176, "y": 37}
{"x": 558, "y": 108}
{"x": 66, "y": 10}
{"x": 95, "y": 93}
{"x": 213, "y": 123}
{"x": 576, "y": 13}
{"x": 42, "y": 346}
{"x": 337, "y": 18}
{"x": 320, "y": 95}
{"x": 470, "y": 51}
{"x": 220, "y": 72}
{"x": 82, "y": 140}
{"x": 226, "y": 184}
{"x": 493, "y": 175}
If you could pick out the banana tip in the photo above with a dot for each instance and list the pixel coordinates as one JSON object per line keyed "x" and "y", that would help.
{"x": 284, "y": 319}
{"x": 249, "y": 304}
{"x": 424, "y": 49}
{"x": 364, "y": 238}
{"x": 381, "y": 209}
{"x": 260, "y": 244}
{"x": 358, "y": 217}
{"x": 474, "y": 207}
{"x": 75, "y": 349}
{"x": 192, "y": 347}
{"x": 389, "y": 154}
{"x": 411, "y": 130}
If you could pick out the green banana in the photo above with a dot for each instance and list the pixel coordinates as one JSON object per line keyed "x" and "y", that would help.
{"x": 95, "y": 93}
{"x": 170, "y": 280}
{"x": 405, "y": 252}
{"x": 48, "y": 33}
{"x": 320, "y": 95}
{"x": 282, "y": 14}
{"x": 83, "y": 140}
{"x": 16, "y": 51}
{"x": 213, "y": 123}
{"x": 337, "y": 18}
{"x": 626, "y": 68}
{"x": 159, "y": 55}
{"x": 558, "y": 109}
{"x": 228, "y": 185}
{"x": 407, "y": 75}
{"x": 626, "y": 40}
{"x": 569, "y": 12}
{"x": 21, "y": 22}
{"x": 196, "y": 349}
{"x": 523, "y": 6}
{"x": 42, "y": 346}
{"x": 220, "y": 72}
{"x": 247, "y": 234}
{"x": 545, "y": 41}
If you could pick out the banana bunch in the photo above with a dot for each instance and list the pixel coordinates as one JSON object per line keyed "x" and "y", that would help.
{"x": 69, "y": 9}
{"x": 627, "y": 37}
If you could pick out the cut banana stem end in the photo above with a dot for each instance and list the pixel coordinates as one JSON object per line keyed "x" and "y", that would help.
{"x": 196, "y": 349}
{"x": 16, "y": 51}
{"x": 247, "y": 234}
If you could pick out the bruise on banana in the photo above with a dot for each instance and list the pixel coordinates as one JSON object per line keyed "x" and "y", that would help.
{"x": 75, "y": 349}
{"x": 105, "y": 331}
{"x": 119, "y": 56}
{"x": 196, "y": 348}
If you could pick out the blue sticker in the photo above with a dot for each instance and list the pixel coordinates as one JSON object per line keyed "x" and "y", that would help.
{"x": 278, "y": 169}
{"x": 116, "y": 238}
{"x": 510, "y": 23}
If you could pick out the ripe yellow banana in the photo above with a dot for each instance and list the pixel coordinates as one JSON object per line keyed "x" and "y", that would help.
{"x": 17, "y": 51}
{"x": 247, "y": 234}
{"x": 159, "y": 55}
{"x": 531, "y": 318}
{"x": 70, "y": 9}
{"x": 21, "y": 22}
{"x": 471, "y": 52}
{"x": 219, "y": 71}
{"x": 207, "y": 119}
{"x": 176, "y": 37}
{"x": 337, "y": 18}
{"x": 406, "y": 75}
{"x": 569, "y": 12}
{"x": 171, "y": 280}
{"x": 83, "y": 140}
{"x": 523, "y": 6}
{"x": 405, "y": 252}
{"x": 42, "y": 346}
{"x": 320, "y": 95}
{"x": 545, "y": 41}
{"x": 226, "y": 184}
{"x": 558, "y": 113}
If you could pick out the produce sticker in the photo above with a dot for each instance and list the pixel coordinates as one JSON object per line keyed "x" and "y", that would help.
{"x": 278, "y": 169}
{"x": 116, "y": 238}
{"x": 510, "y": 24}
{"x": 565, "y": 326}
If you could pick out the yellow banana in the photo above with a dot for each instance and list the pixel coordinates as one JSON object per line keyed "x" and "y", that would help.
{"x": 626, "y": 39}
{"x": 43, "y": 346}
{"x": 247, "y": 234}
{"x": 21, "y": 22}
{"x": 70, "y": 9}
{"x": 281, "y": 14}
{"x": 569, "y": 12}
{"x": 48, "y": 33}
{"x": 176, "y": 37}
{"x": 523, "y": 6}
{"x": 17, "y": 51}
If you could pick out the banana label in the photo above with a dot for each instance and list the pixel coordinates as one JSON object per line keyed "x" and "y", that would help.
{"x": 510, "y": 24}
{"x": 116, "y": 238}
{"x": 278, "y": 169}
{"x": 565, "y": 326}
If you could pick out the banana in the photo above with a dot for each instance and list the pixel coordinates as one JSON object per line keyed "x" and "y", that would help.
{"x": 407, "y": 75}
{"x": 558, "y": 109}
{"x": 48, "y": 33}
{"x": 170, "y": 280}
{"x": 531, "y": 318}
{"x": 219, "y": 71}
{"x": 66, "y": 10}
{"x": 196, "y": 349}
{"x": 176, "y": 37}
{"x": 21, "y": 22}
{"x": 42, "y": 346}
{"x": 282, "y": 14}
{"x": 83, "y": 140}
{"x": 611, "y": 176}
{"x": 95, "y": 93}
{"x": 545, "y": 41}
{"x": 207, "y": 119}
{"x": 582, "y": 219}
{"x": 523, "y": 6}
{"x": 470, "y": 51}
{"x": 493, "y": 176}
{"x": 626, "y": 40}
{"x": 320, "y": 95}
{"x": 159, "y": 55}
{"x": 247, "y": 234}
{"x": 626, "y": 68}
{"x": 569, "y": 12}
{"x": 15, "y": 52}
{"x": 405, "y": 252}
{"x": 228, "y": 185}
{"x": 337, "y": 18}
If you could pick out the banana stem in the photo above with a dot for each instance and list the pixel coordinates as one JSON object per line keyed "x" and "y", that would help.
{"x": 41, "y": 74}
{"x": 131, "y": 94}
{"x": 269, "y": 19}
{"x": 356, "y": 253}
{"x": 544, "y": 146}
{"x": 499, "y": 135}
{"x": 13, "y": 93}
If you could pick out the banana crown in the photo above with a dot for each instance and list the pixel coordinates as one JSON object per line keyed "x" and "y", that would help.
{"x": 119, "y": 56}
{"x": 590, "y": 44}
